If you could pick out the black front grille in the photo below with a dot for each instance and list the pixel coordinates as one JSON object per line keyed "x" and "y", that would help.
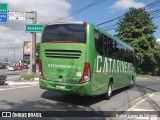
{"x": 68, "y": 54}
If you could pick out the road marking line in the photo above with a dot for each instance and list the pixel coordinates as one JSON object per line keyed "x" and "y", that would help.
{"x": 14, "y": 88}
{"x": 133, "y": 108}
{"x": 22, "y": 83}
{"x": 2, "y": 89}
{"x": 146, "y": 96}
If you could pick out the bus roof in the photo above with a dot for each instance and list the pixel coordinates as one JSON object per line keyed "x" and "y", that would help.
{"x": 67, "y": 22}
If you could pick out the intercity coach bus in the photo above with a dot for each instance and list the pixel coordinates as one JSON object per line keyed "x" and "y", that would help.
{"x": 80, "y": 58}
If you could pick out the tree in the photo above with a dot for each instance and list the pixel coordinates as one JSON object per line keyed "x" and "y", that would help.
{"x": 136, "y": 28}
{"x": 157, "y": 57}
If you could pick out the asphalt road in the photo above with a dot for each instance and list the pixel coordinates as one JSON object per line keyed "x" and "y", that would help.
{"x": 32, "y": 98}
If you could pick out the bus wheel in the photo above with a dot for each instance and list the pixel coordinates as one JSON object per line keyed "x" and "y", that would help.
{"x": 108, "y": 94}
{"x": 132, "y": 83}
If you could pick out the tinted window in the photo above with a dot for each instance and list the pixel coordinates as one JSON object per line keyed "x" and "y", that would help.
{"x": 99, "y": 42}
{"x": 129, "y": 56}
{"x": 65, "y": 33}
{"x": 105, "y": 45}
{"x": 110, "y": 48}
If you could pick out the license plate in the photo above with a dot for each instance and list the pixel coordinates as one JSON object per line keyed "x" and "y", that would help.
{"x": 60, "y": 86}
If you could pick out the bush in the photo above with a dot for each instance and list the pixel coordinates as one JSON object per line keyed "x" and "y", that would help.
{"x": 28, "y": 76}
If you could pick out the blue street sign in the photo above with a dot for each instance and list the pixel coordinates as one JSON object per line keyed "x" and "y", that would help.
{"x": 3, "y": 18}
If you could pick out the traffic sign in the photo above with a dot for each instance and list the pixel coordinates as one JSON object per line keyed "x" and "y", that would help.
{"x": 5, "y": 60}
{"x": 3, "y": 7}
{"x": 17, "y": 15}
{"x": 3, "y": 18}
{"x": 3, "y": 12}
{"x": 34, "y": 28}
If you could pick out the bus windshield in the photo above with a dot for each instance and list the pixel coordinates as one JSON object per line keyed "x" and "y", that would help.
{"x": 65, "y": 33}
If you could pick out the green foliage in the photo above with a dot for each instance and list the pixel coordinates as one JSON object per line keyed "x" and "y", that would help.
{"x": 157, "y": 57}
{"x": 136, "y": 28}
{"x": 28, "y": 76}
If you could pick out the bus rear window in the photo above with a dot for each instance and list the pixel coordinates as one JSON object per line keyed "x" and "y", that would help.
{"x": 65, "y": 33}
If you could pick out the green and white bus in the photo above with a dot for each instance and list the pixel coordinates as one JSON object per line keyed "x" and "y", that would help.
{"x": 80, "y": 58}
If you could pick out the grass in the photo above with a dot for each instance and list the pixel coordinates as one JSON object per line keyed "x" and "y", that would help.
{"x": 26, "y": 76}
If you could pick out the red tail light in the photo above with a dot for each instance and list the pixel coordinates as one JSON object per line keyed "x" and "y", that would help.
{"x": 40, "y": 69}
{"x": 84, "y": 22}
{"x": 86, "y": 73}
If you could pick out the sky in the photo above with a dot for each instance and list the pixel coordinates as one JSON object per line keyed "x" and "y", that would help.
{"x": 13, "y": 35}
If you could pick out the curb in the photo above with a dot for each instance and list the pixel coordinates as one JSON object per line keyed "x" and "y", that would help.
{"x": 36, "y": 79}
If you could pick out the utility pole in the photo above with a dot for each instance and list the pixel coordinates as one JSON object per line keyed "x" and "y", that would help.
{"x": 21, "y": 15}
{"x": 14, "y": 55}
{"x": 33, "y": 46}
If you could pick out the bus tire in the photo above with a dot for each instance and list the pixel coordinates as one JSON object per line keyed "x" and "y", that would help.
{"x": 132, "y": 82}
{"x": 108, "y": 94}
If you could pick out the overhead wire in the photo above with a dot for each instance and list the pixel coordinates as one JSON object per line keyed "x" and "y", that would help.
{"x": 109, "y": 20}
{"x": 96, "y": 2}
{"x": 153, "y": 16}
{"x": 149, "y": 6}
{"x": 152, "y": 4}
{"x": 152, "y": 13}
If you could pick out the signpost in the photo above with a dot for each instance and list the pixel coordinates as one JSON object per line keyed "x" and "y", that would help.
{"x": 30, "y": 28}
{"x": 34, "y": 28}
{"x": 3, "y": 12}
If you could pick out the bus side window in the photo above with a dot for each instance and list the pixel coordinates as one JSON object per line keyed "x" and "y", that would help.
{"x": 120, "y": 52}
{"x": 110, "y": 47}
{"x": 129, "y": 56}
{"x": 116, "y": 50}
{"x": 98, "y": 42}
{"x": 105, "y": 44}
